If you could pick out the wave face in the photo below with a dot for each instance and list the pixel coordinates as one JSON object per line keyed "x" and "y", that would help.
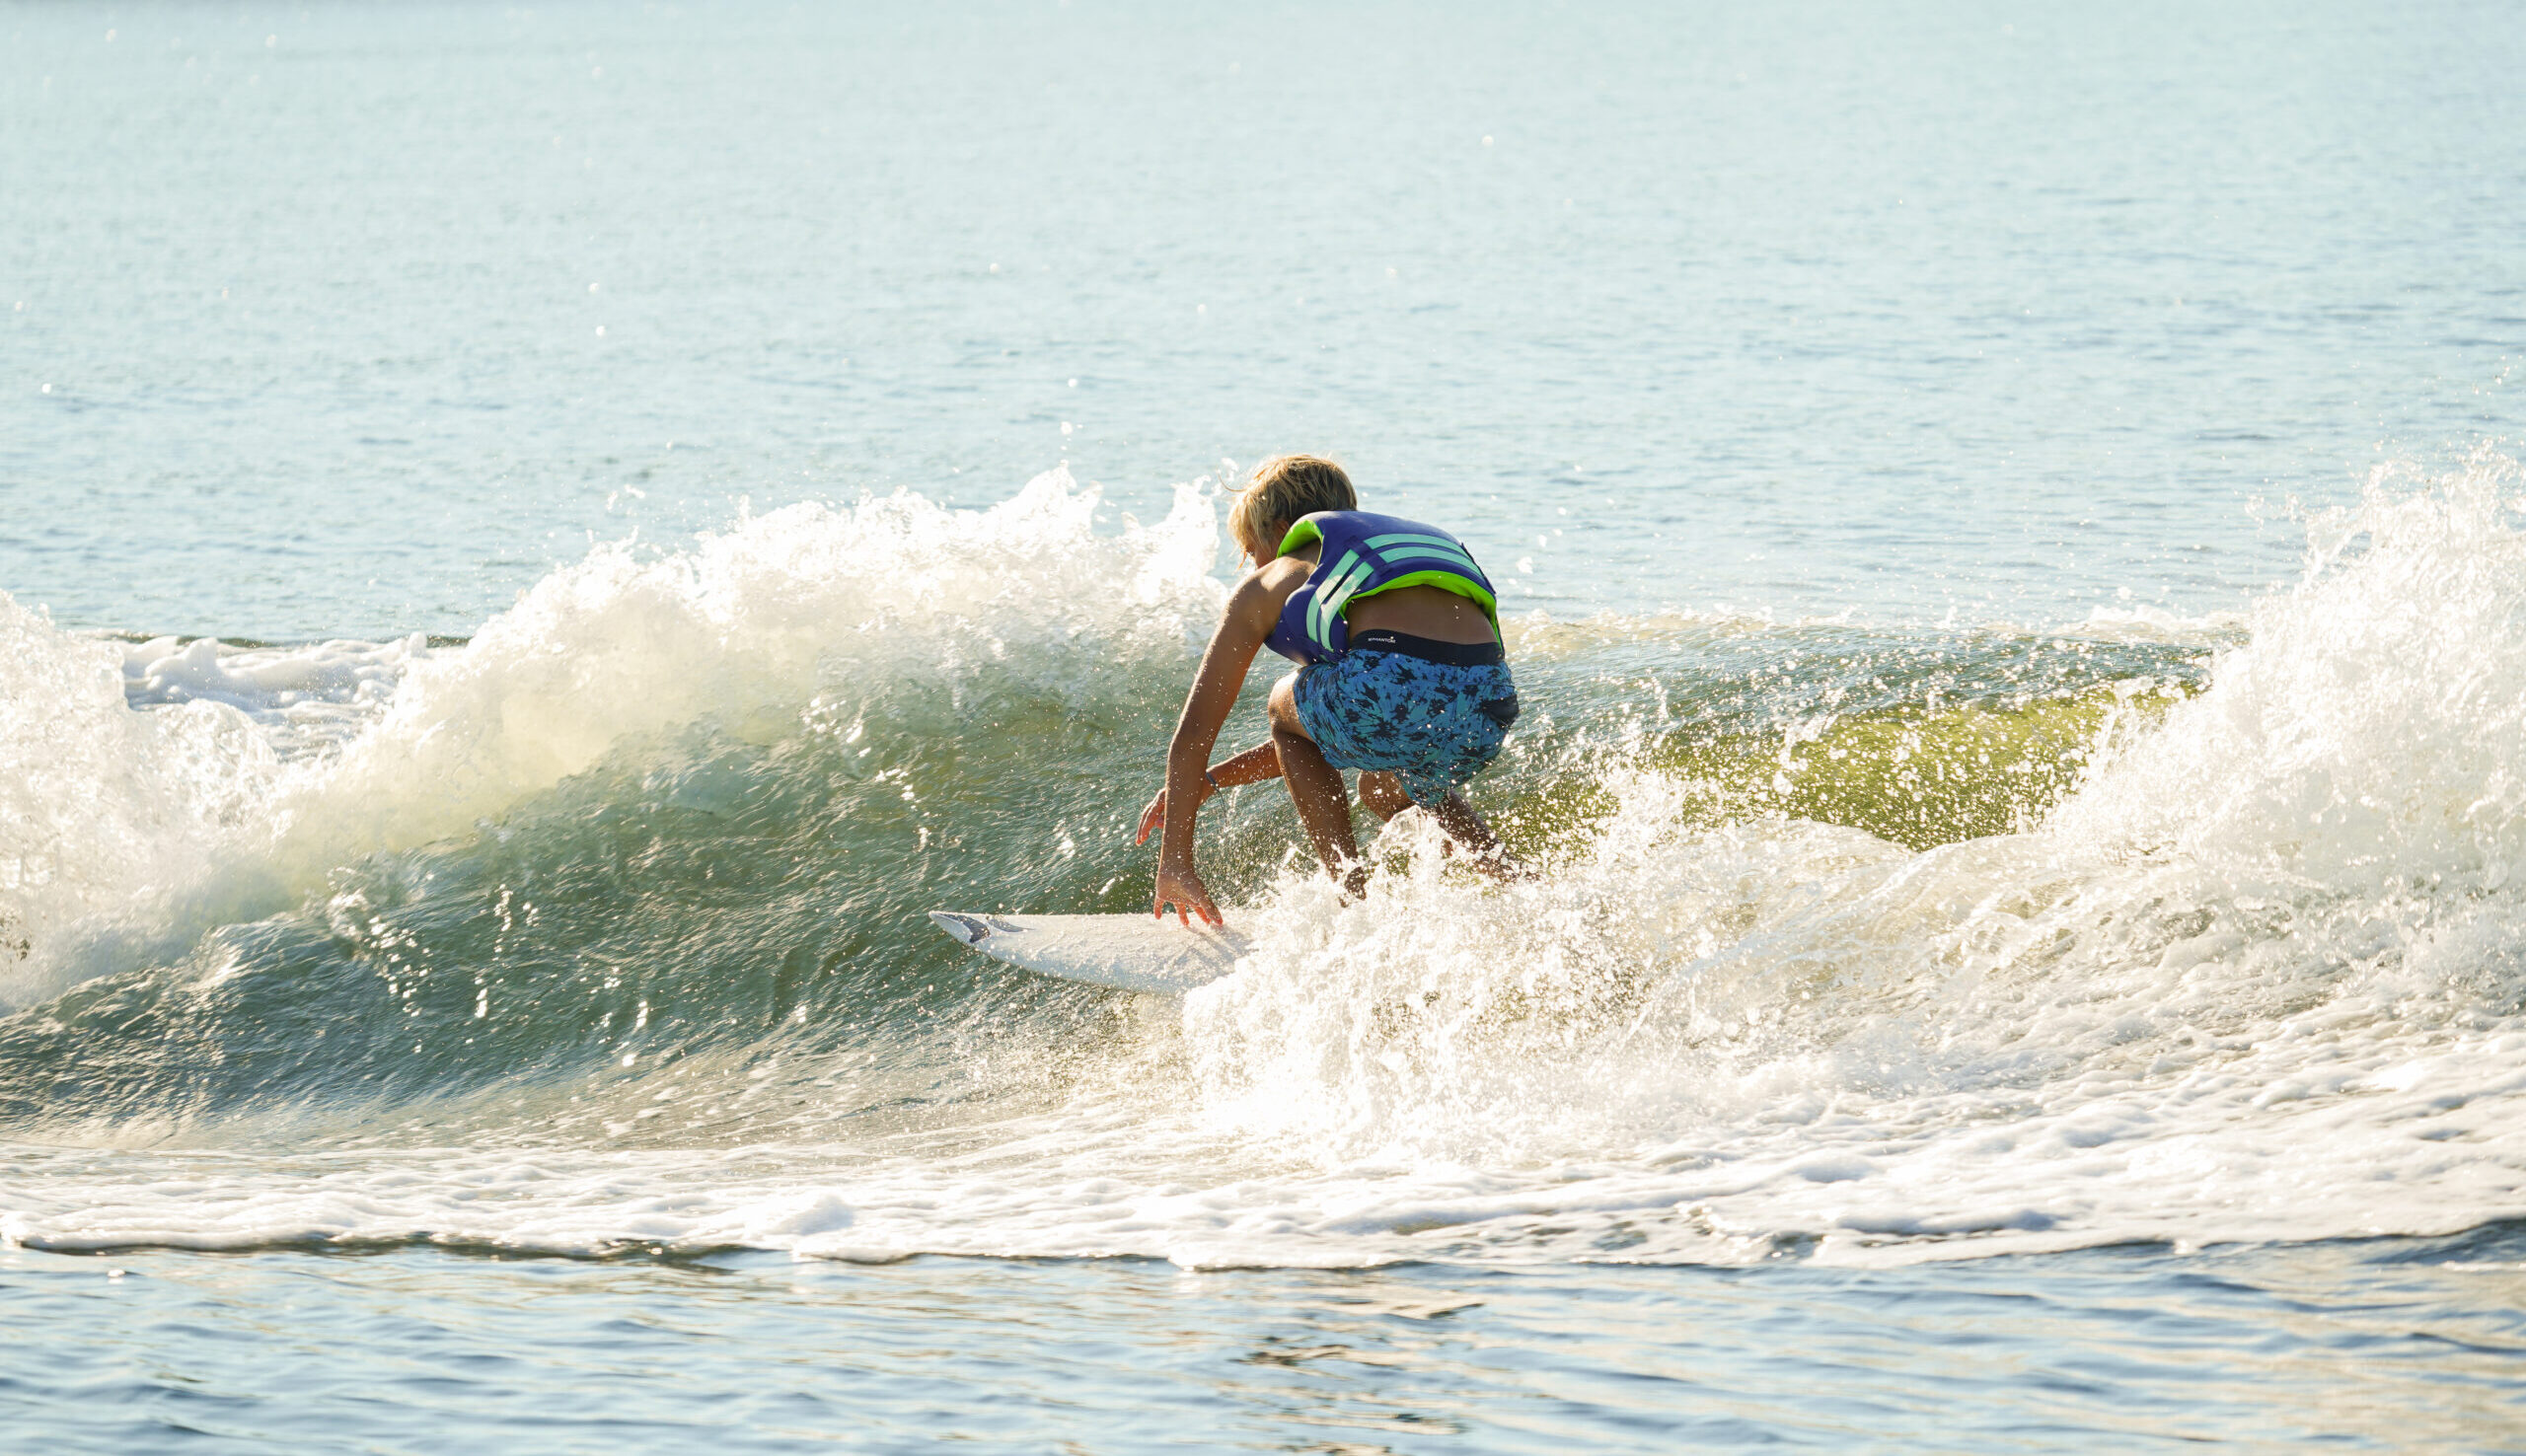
{"x": 604, "y": 928}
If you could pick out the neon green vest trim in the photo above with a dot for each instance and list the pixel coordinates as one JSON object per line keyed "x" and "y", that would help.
{"x": 1341, "y": 585}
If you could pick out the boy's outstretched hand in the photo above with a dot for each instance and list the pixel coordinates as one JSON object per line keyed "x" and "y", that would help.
{"x": 1180, "y": 887}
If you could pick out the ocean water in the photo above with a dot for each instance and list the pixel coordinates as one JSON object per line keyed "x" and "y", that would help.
{"x": 538, "y": 543}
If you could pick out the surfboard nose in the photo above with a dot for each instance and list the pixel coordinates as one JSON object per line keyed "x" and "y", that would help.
{"x": 964, "y": 928}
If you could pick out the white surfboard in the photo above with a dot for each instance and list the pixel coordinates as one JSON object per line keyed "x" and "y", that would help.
{"x": 1134, "y": 952}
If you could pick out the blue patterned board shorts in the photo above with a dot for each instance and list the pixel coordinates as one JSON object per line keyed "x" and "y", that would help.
{"x": 1434, "y": 725}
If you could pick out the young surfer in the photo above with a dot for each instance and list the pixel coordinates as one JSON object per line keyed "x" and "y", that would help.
{"x": 1401, "y": 676}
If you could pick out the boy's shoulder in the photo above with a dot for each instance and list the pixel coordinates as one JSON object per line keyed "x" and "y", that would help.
{"x": 1279, "y": 576}
{"x": 1282, "y": 570}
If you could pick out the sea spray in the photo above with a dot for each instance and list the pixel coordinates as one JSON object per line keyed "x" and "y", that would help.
{"x": 2288, "y": 900}
{"x": 782, "y": 621}
{"x": 607, "y": 931}
{"x": 795, "y": 621}
{"x": 2370, "y": 738}
{"x": 110, "y": 819}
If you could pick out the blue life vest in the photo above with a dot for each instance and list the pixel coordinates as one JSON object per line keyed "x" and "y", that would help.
{"x": 1361, "y": 555}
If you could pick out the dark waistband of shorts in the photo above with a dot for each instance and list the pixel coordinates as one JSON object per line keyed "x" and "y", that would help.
{"x": 1446, "y": 654}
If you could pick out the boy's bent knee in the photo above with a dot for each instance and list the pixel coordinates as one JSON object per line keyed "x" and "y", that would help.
{"x": 1383, "y": 795}
{"x": 1282, "y": 707}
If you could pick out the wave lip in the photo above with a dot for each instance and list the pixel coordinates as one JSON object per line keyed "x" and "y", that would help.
{"x": 171, "y": 783}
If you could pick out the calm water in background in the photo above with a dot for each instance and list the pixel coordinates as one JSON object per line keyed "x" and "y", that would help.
{"x": 531, "y": 1041}
{"x": 357, "y": 319}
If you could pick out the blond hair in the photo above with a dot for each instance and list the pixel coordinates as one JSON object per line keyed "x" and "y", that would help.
{"x": 1283, "y": 488}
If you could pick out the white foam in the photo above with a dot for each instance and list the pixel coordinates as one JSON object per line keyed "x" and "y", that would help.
{"x": 786, "y": 616}
{"x": 169, "y": 783}
{"x": 108, "y": 818}
{"x": 2264, "y": 978}
{"x": 2148, "y": 623}
{"x": 308, "y": 699}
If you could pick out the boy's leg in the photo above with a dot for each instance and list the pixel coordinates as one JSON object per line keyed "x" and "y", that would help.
{"x": 1316, "y": 786}
{"x": 1382, "y": 793}
{"x": 1466, "y": 828}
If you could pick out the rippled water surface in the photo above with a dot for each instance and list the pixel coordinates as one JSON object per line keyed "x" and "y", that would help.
{"x": 2395, "y": 1347}
{"x": 536, "y": 543}
{"x": 369, "y": 316}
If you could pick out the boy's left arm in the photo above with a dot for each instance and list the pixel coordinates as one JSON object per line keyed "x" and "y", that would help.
{"x": 1254, "y": 766}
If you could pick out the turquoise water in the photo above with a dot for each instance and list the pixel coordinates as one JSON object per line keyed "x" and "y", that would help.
{"x": 536, "y": 544}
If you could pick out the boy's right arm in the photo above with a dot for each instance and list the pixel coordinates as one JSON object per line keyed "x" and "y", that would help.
{"x": 1252, "y": 609}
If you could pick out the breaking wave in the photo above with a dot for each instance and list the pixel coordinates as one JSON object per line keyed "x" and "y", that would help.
{"x": 604, "y": 928}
